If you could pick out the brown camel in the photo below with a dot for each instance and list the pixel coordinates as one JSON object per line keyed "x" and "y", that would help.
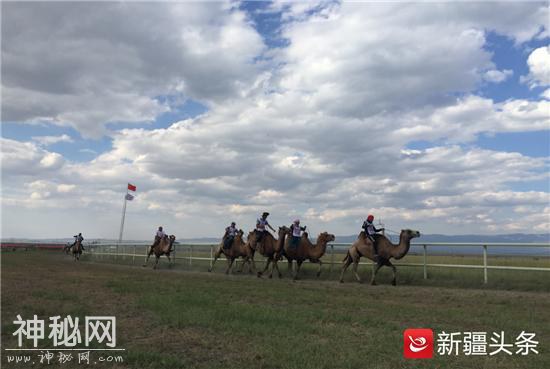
{"x": 271, "y": 249}
{"x": 386, "y": 251}
{"x": 161, "y": 247}
{"x": 307, "y": 251}
{"x": 238, "y": 249}
{"x": 77, "y": 250}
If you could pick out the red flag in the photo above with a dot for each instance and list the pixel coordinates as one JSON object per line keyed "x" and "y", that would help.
{"x": 131, "y": 187}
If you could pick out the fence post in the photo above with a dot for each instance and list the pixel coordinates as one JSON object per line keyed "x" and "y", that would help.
{"x": 211, "y": 256}
{"x": 485, "y": 264}
{"x": 425, "y": 262}
{"x": 134, "y": 256}
{"x": 331, "y": 257}
{"x": 190, "y": 255}
{"x": 174, "y": 263}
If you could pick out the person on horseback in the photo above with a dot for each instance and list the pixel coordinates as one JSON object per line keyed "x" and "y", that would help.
{"x": 296, "y": 233}
{"x": 261, "y": 223}
{"x": 370, "y": 231}
{"x": 229, "y": 236}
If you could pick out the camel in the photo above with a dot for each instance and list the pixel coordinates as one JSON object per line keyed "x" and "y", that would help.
{"x": 271, "y": 249}
{"x": 386, "y": 250}
{"x": 77, "y": 250}
{"x": 238, "y": 249}
{"x": 306, "y": 250}
{"x": 159, "y": 248}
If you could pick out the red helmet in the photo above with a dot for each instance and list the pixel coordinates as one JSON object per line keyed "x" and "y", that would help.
{"x": 370, "y": 218}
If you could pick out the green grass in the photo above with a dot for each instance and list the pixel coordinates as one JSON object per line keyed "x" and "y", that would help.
{"x": 188, "y": 318}
{"x": 406, "y": 275}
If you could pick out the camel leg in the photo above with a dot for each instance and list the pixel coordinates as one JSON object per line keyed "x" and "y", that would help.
{"x": 375, "y": 269}
{"x": 355, "y": 265}
{"x": 290, "y": 266}
{"x": 147, "y": 258}
{"x": 298, "y": 265}
{"x": 394, "y": 269}
{"x": 242, "y": 266}
{"x": 216, "y": 256}
{"x": 347, "y": 263}
{"x": 273, "y": 262}
{"x": 265, "y": 268}
{"x": 320, "y": 265}
{"x": 253, "y": 264}
{"x": 169, "y": 261}
{"x": 229, "y": 265}
{"x": 244, "y": 261}
{"x": 249, "y": 262}
{"x": 156, "y": 261}
{"x": 276, "y": 266}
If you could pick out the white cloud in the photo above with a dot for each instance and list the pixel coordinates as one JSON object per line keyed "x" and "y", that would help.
{"x": 64, "y": 188}
{"x": 497, "y": 76}
{"x": 321, "y": 129}
{"x": 50, "y": 140}
{"x": 27, "y": 159}
{"x": 539, "y": 67}
{"x": 111, "y": 67}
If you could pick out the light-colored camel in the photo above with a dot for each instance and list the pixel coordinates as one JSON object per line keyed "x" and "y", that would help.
{"x": 271, "y": 248}
{"x": 161, "y": 247}
{"x": 386, "y": 250}
{"x": 306, "y": 250}
{"x": 77, "y": 250}
{"x": 238, "y": 249}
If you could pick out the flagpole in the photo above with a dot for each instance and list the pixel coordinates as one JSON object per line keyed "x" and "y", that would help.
{"x": 123, "y": 216}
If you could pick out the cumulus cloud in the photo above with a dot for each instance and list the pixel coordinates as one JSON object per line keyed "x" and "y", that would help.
{"x": 27, "y": 159}
{"x": 497, "y": 76}
{"x": 112, "y": 67}
{"x": 50, "y": 140}
{"x": 318, "y": 129}
{"x": 539, "y": 67}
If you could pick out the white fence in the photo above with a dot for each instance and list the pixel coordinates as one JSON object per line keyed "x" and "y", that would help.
{"x": 205, "y": 252}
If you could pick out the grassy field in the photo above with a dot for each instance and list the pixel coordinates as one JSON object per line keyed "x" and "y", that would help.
{"x": 184, "y": 317}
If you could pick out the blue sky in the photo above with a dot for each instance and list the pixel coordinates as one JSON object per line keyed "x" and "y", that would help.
{"x": 223, "y": 111}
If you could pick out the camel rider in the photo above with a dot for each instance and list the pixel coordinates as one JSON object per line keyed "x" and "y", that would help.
{"x": 229, "y": 236}
{"x": 261, "y": 223}
{"x": 296, "y": 233}
{"x": 159, "y": 235}
{"x": 78, "y": 238}
{"x": 370, "y": 231}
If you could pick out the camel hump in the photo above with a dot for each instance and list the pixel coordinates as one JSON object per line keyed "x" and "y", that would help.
{"x": 379, "y": 237}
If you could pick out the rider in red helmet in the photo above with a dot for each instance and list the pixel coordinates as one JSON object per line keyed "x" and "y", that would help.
{"x": 370, "y": 231}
